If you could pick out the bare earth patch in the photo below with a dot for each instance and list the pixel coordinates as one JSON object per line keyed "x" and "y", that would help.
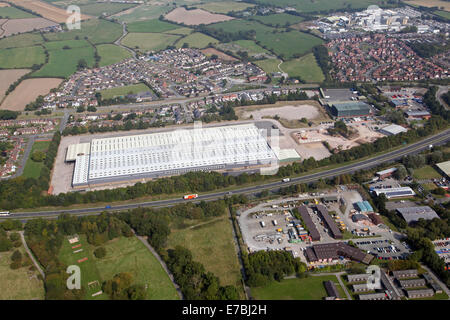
{"x": 195, "y": 17}
{"x": 8, "y": 77}
{"x": 27, "y": 91}
{"x": 15, "y": 26}
{"x": 220, "y": 54}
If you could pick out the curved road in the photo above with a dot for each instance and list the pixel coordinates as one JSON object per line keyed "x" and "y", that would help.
{"x": 414, "y": 148}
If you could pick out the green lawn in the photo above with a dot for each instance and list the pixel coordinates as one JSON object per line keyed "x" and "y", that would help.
{"x": 110, "y": 54}
{"x": 310, "y": 288}
{"x": 426, "y": 172}
{"x": 306, "y": 68}
{"x": 21, "y": 57}
{"x": 211, "y": 243}
{"x": 224, "y": 6}
{"x": 279, "y": 19}
{"x": 123, "y": 255}
{"x": 33, "y": 169}
{"x": 196, "y": 40}
{"x": 96, "y": 30}
{"x": 153, "y": 26}
{"x": 19, "y": 284}
{"x": 149, "y": 41}
{"x": 268, "y": 65}
{"x": 122, "y": 91}
{"x": 21, "y": 40}
{"x": 14, "y": 13}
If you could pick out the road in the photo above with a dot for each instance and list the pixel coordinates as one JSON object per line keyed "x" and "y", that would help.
{"x": 118, "y": 42}
{"x": 414, "y": 148}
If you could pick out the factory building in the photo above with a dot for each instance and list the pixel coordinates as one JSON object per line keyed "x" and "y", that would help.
{"x": 137, "y": 157}
{"x": 394, "y": 192}
{"x": 444, "y": 168}
{"x": 413, "y": 214}
{"x": 392, "y": 130}
{"x": 350, "y": 109}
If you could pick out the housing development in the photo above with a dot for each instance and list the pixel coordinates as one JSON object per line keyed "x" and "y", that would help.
{"x": 225, "y": 150}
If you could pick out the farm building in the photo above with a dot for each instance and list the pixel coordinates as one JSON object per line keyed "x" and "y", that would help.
{"x": 350, "y": 109}
{"x": 395, "y": 192}
{"x": 444, "y": 168}
{"x": 392, "y": 130}
{"x": 128, "y": 158}
{"x": 412, "y": 214}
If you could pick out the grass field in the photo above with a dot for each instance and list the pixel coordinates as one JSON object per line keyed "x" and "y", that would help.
{"x": 21, "y": 57}
{"x": 96, "y": 30}
{"x": 180, "y": 31}
{"x": 19, "y": 284}
{"x": 21, "y": 40}
{"x": 149, "y": 41}
{"x": 154, "y": 26}
{"x": 211, "y": 243}
{"x": 196, "y": 40}
{"x": 234, "y": 26}
{"x": 305, "y": 67}
{"x": 121, "y": 91}
{"x": 224, "y": 6}
{"x": 71, "y": 44}
{"x": 97, "y": 9}
{"x": 250, "y": 46}
{"x": 33, "y": 169}
{"x": 123, "y": 255}
{"x": 63, "y": 63}
{"x": 323, "y": 5}
{"x": 110, "y": 54}
{"x": 268, "y": 65}
{"x": 430, "y": 3}
{"x": 443, "y": 14}
{"x": 14, "y": 13}
{"x": 310, "y": 288}
{"x": 279, "y": 19}
{"x": 144, "y": 12}
{"x": 426, "y": 172}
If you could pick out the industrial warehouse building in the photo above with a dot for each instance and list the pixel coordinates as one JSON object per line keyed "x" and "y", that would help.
{"x": 128, "y": 158}
{"x": 392, "y": 130}
{"x": 350, "y": 109}
{"x": 309, "y": 224}
{"x": 390, "y": 193}
{"x": 329, "y": 252}
{"x": 444, "y": 168}
{"x": 413, "y": 214}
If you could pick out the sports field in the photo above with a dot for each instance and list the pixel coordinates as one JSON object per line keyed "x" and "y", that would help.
{"x": 110, "y": 54}
{"x": 96, "y": 30}
{"x": 123, "y": 255}
{"x": 196, "y": 40}
{"x": 33, "y": 169}
{"x": 305, "y": 67}
{"x": 149, "y": 41}
{"x": 154, "y": 26}
{"x": 224, "y": 6}
{"x": 310, "y": 288}
{"x": 211, "y": 243}
{"x": 122, "y": 91}
{"x": 19, "y": 284}
{"x": 21, "y": 57}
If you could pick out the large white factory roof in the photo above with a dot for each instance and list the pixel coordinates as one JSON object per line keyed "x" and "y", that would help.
{"x": 172, "y": 152}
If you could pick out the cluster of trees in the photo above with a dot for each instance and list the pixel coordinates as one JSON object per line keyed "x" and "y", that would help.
{"x": 121, "y": 287}
{"x": 226, "y": 113}
{"x": 261, "y": 267}
{"x": 36, "y": 104}
{"x": 427, "y": 50}
{"x": 45, "y": 238}
{"x": 340, "y": 128}
{"x": 323, "y": 60}
{"x": 194, "y": 281}
{"x": 226, "y": 36}
{"x": 8, "y": 114}
{"x": 436, "y": 108}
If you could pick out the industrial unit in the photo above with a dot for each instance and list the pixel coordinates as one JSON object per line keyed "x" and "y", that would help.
{"x": 413, "y": 214}
{"x": 128, "y": 158}
{"x": 350, "y": 109}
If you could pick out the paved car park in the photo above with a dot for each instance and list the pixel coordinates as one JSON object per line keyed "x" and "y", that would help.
{"x": 383, "y": 248}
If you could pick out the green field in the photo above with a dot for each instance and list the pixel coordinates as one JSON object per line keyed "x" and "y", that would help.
{"x": 234, "y": 26}
{"x": 426, "y": 172}
{"x": 211, "y": 243}
{"x": 250, "y": 46}
{"x": 110, "y": 54}
{"x": 443, "y": 14}
{"x": 310, "y": 288}
{"x": 122, "y": 91}
{"x": 19, "y": 284}
{"x": 149, "y": 41}
{"x": 14, "y": 13}
{"x": 154, "y": 26}
{"x": 180, "y": 31}
{"x": 21, "y": 57}
{"x": 97, "y": 9}
{"x": 21, "y": 40}
{"x": 323, "y": 5}
{"x": 145, "y": 12}
{"x": 268, "y": 65}
{"x": 63, "y": 62}
{"x": 123, "y": 255}
{"x": 279, "y": 19}
{"x": 224, "y": 6}
{"x": 95, "y": 30}
{"x": 305, "y": 67}
{"x": 33, "y": 169}
{"x": 196, "y": 40}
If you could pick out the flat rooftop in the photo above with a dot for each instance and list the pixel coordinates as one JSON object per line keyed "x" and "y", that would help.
{"x": 412, "y": 214}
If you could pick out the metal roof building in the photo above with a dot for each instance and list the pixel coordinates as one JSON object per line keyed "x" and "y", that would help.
{"x": 309, "y": 224}
{"x": 411, "y": 214}
{"x": 350, "y": 109}
{"x": 395, "y": 192}
{"x": 126, "y": 158}
{"x": 392, "y": 130}
{"x": 335, "y": 232}
{"x": 444, "y": 167}
{"x": 331, "y": 289}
